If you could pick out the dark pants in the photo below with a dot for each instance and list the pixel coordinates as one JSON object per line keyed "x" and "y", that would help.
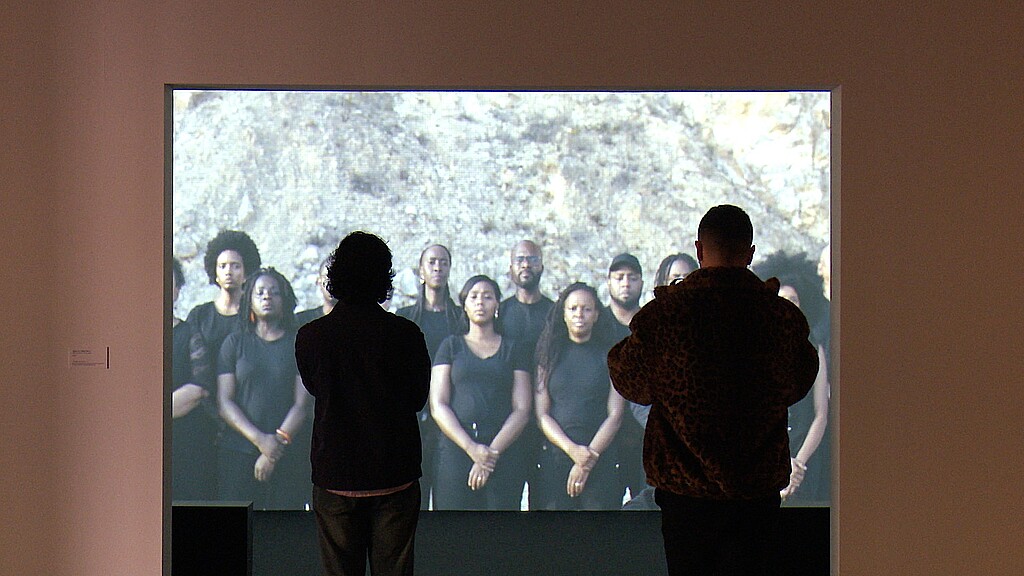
{"x": 719, "y": 537}
{"x": 503, "y": 490}
{"x": 382, "y": 528}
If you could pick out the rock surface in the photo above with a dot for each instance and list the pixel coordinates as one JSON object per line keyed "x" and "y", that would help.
{"x": 585, "y": 175}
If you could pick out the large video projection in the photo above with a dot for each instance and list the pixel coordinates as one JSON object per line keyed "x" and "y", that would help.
{"x": 455, "y": 181}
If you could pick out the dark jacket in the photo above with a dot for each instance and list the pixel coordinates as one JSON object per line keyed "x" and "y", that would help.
{"x": 369, "y": 373}
{"x": 719, "y": 357}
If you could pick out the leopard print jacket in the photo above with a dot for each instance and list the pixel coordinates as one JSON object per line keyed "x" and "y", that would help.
{"x": 719, "y": 356}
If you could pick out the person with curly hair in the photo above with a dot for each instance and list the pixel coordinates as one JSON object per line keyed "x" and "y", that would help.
{"x": 808, "y": 419}
{"x": 230, "y": 257}
{"x": 369, "y": 373}
{"x": 480, "y": 399}
{"x": 577, "y": 409}
{"x": 262, "y": 400}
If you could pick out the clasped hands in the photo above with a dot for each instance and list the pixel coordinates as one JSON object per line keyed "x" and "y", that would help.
{"x": 484, "y": 459}
{"x": 271, "y": 449}
{"x": 584, "y": 459}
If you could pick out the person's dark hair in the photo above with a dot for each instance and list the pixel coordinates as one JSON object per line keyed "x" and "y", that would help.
{"x": 177, "y": 272}
{"x": 464, "y": 293}
{"x": 453, "y": 316}
{"x": 798, "y": 271}
{"x": 360, "y": 269}
{"x": 231, "y": 240}
{"x": 554, "y": 337}
{"x": 287, "y": 297}
{"x": 661, "y": 276}
{"x": 727, "y": 228}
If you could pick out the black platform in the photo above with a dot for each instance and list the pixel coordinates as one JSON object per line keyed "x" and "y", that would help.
{"x": 531, "y": 543}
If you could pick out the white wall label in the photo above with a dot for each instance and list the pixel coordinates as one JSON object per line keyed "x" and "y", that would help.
{"x": 89, "y": 357}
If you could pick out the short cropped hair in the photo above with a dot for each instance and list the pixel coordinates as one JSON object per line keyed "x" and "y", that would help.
{"x": 727, "y": 228}
{"x": 231, "y": 240}
{"x": 360, "y": 269}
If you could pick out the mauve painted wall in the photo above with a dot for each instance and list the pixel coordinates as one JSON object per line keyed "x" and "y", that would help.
{"x": 926, "y": 268}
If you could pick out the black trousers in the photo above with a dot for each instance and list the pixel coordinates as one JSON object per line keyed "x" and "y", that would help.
{"x": 381, "y": 528}
{"x": 718, "y": 537}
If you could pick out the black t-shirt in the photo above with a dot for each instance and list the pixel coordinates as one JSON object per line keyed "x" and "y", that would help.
{"x": 578, "y": 387}
{"x": 481, "y": 388}
{"x": 307, "y": 316}
{"x": 524, "y": 322}
{"x": 264, "y": 381}
{"x": 209, "y": 328}
{"x": 434, "y": 325}
{"x": 615, "y": 330}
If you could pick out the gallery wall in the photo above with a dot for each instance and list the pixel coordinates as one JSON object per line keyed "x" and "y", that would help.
{"x": 926, "y": 238}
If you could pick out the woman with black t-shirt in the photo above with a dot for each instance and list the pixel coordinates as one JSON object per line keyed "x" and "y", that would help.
{"x": 438, "y": 318}
{"x": 577, "y": 408}
{"x": 194, "y": 429}
{"x": 262, "y": 399}
{"x": 480, "y": 399}
{"x": 229, "y": 258}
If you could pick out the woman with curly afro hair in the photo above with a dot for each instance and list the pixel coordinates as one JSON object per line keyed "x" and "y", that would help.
{"x": 230, "y": 257}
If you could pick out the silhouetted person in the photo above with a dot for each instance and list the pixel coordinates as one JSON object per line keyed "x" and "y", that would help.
{"x": 720, "y": 357}
{"x": 369, "y": 373}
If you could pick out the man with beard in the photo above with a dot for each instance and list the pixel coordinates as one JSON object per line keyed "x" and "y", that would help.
{"x": 625, "y": 285}
{"x": 522, "y": 317}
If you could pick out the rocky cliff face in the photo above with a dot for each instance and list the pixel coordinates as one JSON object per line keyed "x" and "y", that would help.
{"x": 584, "y": 175}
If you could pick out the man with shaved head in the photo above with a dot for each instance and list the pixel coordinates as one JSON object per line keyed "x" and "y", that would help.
{"x": 522, "y": 316}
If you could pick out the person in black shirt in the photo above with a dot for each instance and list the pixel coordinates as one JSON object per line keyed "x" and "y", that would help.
{"x": 307, "y": 316}
{"x": 522, "y": 317}
{"x": 577, "y": 408}
{"x": 369, "y": 374}
{"x": 438, "y": 317}
{"x": 230, "y": 257}
{"x": 262, "y": 400}
{"x": 625, "y": 284}
{"x": 193, "y": 430}
{"x": 480, "y": 399}
{"x": 808, "y": 419}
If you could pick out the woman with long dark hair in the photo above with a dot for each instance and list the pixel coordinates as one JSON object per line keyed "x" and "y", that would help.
{"x": 480, "y": 400}
{"x": 262, "y": 400}
{"x": 577, "y": 408}
{"x": 438, "y": 318}
{"x": 801, "y": 284}
{"x": 673, "y": 267}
